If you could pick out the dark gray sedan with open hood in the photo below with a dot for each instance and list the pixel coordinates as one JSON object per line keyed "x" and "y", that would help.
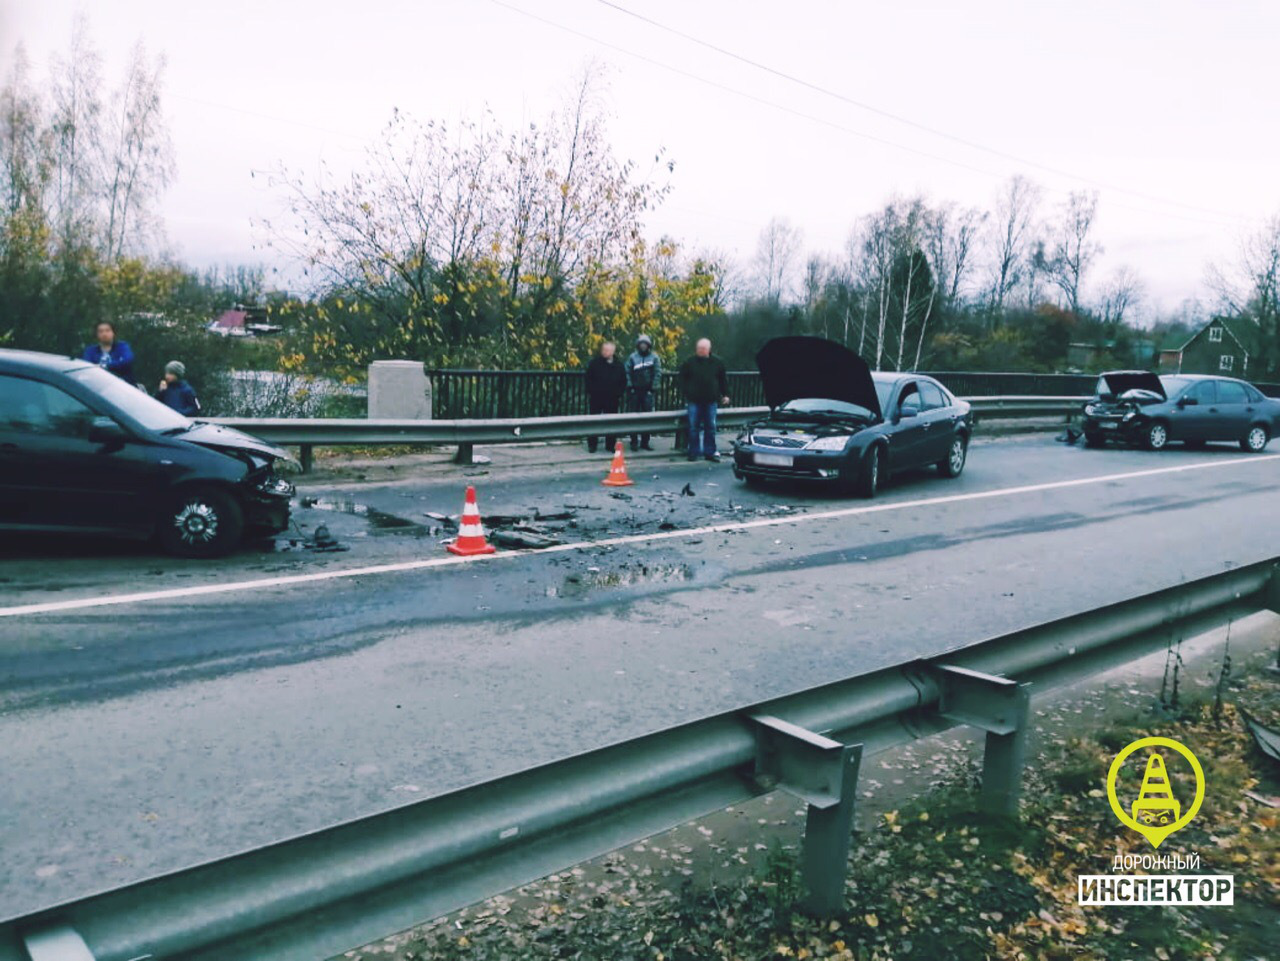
{"x": 1139, "y": 408}
{"x": 833, "y": 421}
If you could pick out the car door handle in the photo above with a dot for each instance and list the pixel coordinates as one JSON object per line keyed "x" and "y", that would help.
{"x": 1213, "y": 410}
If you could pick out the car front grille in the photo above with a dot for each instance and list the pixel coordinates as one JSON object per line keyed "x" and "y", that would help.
{"x": 774, "y": 441}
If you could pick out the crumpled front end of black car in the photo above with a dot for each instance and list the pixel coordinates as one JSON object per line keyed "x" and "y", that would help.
{"x": 266, "y": 499}
{"x": 1122, "y": 418}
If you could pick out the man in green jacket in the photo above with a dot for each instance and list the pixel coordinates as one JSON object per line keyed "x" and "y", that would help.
{"x": 705, "y": 384}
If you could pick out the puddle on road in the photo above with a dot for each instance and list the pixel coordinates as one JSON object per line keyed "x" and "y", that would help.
{"x": 379, "y": 520}
{"x": 582, "y": 583}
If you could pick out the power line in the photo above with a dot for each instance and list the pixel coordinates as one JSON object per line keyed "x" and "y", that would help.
{"x": 907, "y": 121}
{"x": 818, "y": 120}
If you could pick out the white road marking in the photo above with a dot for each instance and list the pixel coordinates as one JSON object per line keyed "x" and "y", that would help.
{"x": 451, "y": 560}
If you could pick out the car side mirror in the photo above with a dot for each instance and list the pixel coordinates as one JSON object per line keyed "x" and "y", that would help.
{"x": 107, "y": 432}
{"x": 1187, "y": 402}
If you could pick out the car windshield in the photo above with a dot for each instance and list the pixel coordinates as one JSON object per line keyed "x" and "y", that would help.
{"x": 131, "y": 402}
{"x": 883, "y": 391}
{"x": 1173, "y": 385}
{"x": 825, "y": 407}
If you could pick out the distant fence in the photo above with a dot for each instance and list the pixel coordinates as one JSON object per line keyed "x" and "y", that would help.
{"x": 467, "y": 394}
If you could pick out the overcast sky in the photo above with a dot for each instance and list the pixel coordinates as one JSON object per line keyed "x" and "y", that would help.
{"x": 1167, "y": 107}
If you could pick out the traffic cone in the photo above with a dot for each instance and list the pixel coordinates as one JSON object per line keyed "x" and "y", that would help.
{"x": 1156, "y": 795}
{"x": 618, "y": 470}
{"x": 470, "y": 539}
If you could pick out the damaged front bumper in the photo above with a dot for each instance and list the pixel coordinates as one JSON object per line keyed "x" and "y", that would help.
{"x": 266, "y": 501}
{"x": 1126, "y": 427}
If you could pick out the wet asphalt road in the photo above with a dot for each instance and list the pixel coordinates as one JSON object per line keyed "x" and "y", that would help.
{"x": 143, "y": 737}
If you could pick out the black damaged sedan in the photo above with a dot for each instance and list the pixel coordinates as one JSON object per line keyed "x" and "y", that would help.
{"x": 833, "y": 421}
{"x": 1138, "y": 408}
{"x": 84, "y": 452}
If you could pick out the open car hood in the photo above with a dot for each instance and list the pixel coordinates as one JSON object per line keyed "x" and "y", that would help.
{"x": 794, "y": 367}
{"x": 1120, "y": 381}
{"x": 228, "y": 438}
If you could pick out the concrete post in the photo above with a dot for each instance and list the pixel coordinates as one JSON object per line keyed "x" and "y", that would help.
{"x": 399, "y": 390}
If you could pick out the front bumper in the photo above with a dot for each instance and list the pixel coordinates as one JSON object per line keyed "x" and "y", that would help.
{"x": 266, "y": 505}
{"x": 816, "y": 466}
{"x": 1114, "y": 426}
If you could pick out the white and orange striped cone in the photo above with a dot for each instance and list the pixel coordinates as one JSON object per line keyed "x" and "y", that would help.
{"x": 618, "y": 470}
{"x": 470, "y": 539}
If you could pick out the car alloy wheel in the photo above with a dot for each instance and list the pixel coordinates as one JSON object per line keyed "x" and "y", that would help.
{"x": 1157, "y": 437}
{"x": 957, "y": 455}
{"x": 1256, "y": 440}
{"x": 200, "y": 522}
{"x": 197, "y": 523}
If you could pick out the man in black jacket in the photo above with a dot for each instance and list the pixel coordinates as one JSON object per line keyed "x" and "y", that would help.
{"x": 705, "y": 384}
{"x": 644, "y": 373}
{"x": 606, "y": 382}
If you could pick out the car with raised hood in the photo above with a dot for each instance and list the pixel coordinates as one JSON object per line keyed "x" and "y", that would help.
{"x": 1139, "y": 408}
{"x": 82, "y": 451}
{"x": 833, "y": 421}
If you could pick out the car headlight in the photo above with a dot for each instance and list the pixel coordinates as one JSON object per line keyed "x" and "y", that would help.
{"x": 835, "y": 442}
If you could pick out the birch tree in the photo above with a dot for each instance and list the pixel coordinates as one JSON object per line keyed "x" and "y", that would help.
{"x": 1074, "y": 250}
{"x": 1012, "y": 225}
{"x": 139, "y": 159}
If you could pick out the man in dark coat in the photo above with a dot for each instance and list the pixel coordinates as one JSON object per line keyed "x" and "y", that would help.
{"x": 606, "y": 382}
{"x": 644, "y": 373}
{"x": 112, "y": 355}
{"x": 705, "y": 384}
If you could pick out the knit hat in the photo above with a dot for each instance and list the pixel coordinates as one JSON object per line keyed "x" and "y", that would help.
{"x": 644, "y": 339}
{"x": 177, "y": 368}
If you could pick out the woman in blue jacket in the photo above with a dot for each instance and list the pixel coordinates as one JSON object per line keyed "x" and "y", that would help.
{"x": 113, "y": 356}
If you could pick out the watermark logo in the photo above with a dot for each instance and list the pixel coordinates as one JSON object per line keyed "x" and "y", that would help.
{"x": 1156, "y": 812}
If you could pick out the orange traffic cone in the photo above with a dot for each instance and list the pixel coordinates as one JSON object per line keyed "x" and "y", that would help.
{"x": 470, "y": 539}
{"x": 618, "y": 470}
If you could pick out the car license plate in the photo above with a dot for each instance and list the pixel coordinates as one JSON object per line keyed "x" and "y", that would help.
{"x": 774, "y": 460}
{"x": 1108, "y": 425}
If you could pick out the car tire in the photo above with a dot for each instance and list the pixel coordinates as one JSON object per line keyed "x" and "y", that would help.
{"x": 868, "y": 482}
{"x": 1156, "y": 437}
{"x": 953, "y": 464}
{"x": 755, "y": 483}
{"x": 1094, "y": 440}
{"x": 1255, "y": 442}
{"x": 200, "y": 522}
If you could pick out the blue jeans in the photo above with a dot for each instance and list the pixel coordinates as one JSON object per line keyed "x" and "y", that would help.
{"x": 702, "y": 430}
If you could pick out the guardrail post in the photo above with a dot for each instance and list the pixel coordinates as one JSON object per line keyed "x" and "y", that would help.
{"x": 1000, "y": 707}
{"x": 60, "y": 943}
{"x": 1271, "y": 600}
{"x": 305, "y": 457}
{"x": 823, "y": 773}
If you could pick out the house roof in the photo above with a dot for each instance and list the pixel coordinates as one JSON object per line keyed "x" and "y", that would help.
{"x": 231, "y": 318}
{"x": 1222, "y": 322}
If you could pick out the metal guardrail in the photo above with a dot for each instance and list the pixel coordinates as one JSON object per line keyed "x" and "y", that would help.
{"x": 315, "y": 896}
{"x": 542, "y": 393}
{"x": 334, "y": 432}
